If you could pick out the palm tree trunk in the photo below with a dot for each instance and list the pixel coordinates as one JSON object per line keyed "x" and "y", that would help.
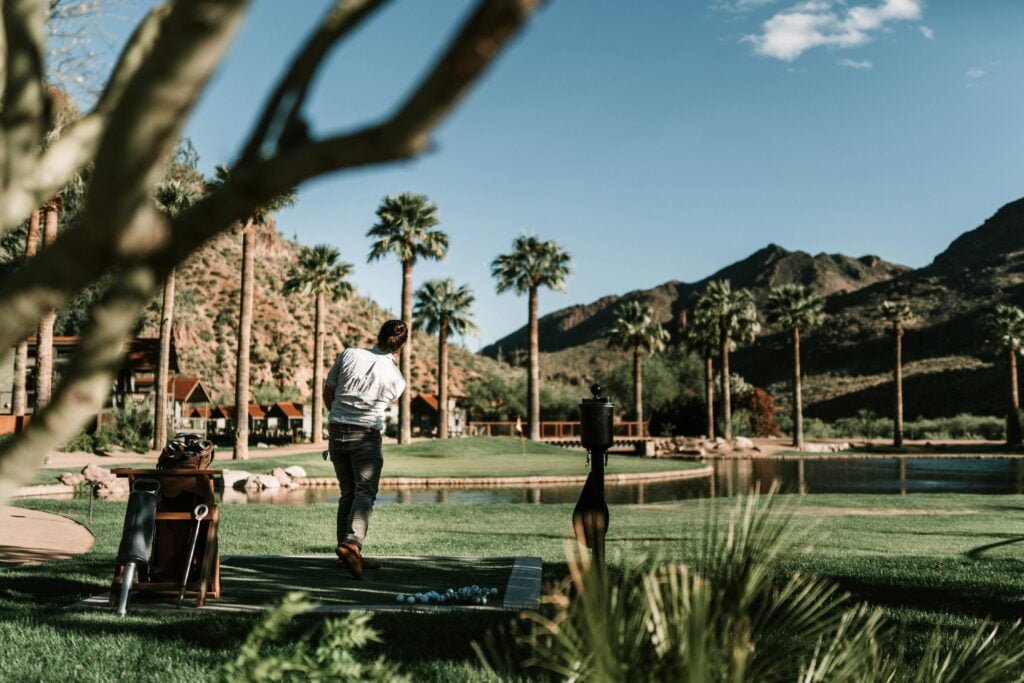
{"x": 638, "y": 387}
{"x": 1013, "y": 427}
{"x": 19, "y": 401}
{"x": 405, "y": 361}
{"x": 533, "y": 379}
{"x": 897, "y": 435}
{"x": 709, "y": 394}
{"x": 241, "y": 451}
{"x": 44, "y": 339}
{"x": 726, "y": 380}
{"x": 163, "y": 372}
{"x": 442, "y": 380}
{"x": 798, "y": 401}
{"x": 318, "y": 370}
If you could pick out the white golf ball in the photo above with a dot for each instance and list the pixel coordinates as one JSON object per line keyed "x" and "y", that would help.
{"x": 483, "y": 601}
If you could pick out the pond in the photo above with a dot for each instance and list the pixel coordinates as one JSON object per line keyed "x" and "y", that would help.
{"x": 731, "y": 477}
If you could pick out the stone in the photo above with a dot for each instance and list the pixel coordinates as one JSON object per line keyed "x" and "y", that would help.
{"x": 295, "y": 472}
{"x": 114, "y": 489}
{"x": 826, "y": 447}
{"x": 719, "y": 441}
{"x": 235, "y": 479}
{"x": 95, "y": 473}
{"x": 282, "y": 477}
{"x": 262, "y": 445}
{"x": 268, "y": 482}
{"x": 72, "y": 479}
{"x": 743, "y": 442}
{"x": 253, "y": 484}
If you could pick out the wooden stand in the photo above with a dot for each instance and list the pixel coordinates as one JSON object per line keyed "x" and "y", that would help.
{"x": 180, "y": 492}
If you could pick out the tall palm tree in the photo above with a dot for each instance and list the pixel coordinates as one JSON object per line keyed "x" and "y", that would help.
{"x": 1004, "y": 327}
{"x": 897, "y": 314}
{"x": 319, "y": 272}
{"x": 442, "y": 308}
{"x": 533, "y": 263}
{"x": 172, "y": 198}
{"x": 638, "y": 331}
{"x": 795, "y": 308}
{"x": 44, "y": 337}
{"x": 407, "y": 227}
{"x": 702, "y": 338}
{"x": 19, "y": 401}
{"x": 257, "y": 218}
{"x": 737, "y": 323}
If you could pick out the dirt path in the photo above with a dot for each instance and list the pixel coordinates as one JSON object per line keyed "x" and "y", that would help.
{"x": 29, "y": 536}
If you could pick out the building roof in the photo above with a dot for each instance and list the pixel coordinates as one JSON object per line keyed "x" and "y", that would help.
{"x": 255, "y": 411}
{"x": 429, "y": 399}
{"x": 140, "y": 353}
{"x": 287, "y": 409}
{"x": 187, "y": 390}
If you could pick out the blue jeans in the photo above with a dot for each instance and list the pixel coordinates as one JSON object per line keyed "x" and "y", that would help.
{"x": 357, "y": 460}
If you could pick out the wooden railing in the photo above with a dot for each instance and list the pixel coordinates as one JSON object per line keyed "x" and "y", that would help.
{"x": 556, "y": 430}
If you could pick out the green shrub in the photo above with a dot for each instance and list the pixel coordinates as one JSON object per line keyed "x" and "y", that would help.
{"x": 82, "y": 441}
{"x": 130, "y": 427}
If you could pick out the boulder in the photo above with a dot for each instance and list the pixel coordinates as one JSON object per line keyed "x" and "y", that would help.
{"x": 268, "y": 481}
{"x": 72, "y": 479}
{"x": 262, "y": 445}
{"x": 253, "y": 484}
{"x": 235, "y": 479}
{"x": 295, "y": 472}
{"x": 826, "y": 447}
{"x": 97, "y": 474}
{"x": 282, "y": 477}
{"x": 117, "y": 488}
{"x": 743, "y": 442}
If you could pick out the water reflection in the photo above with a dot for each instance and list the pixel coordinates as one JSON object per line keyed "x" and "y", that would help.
{"x": 897, "y": 476}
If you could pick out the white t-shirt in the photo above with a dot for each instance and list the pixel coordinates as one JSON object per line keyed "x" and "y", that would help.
{"x": 365, "y": 383}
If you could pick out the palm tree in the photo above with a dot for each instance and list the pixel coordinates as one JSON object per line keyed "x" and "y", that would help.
{"x": 19, "y": 401}
{"x": 257, "y": 218}
{"x": 794, "y": 308}
{"x": 1004, "y": 327}
{"x": 320, "y": 273}
{"x": 637, "y": 330}
{"x": 896, "y": 314}
{"x": 441, "y": 308}
{"x": 406, "y": 227}
{"x": 737, "y": 323}
{"x": 533, "y": 263}
{"x": 702, "y": 338}
{"x": 44, "y": 337}
{"x": 172, "y": 198}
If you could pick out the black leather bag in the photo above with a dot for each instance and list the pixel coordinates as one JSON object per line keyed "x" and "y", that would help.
{"x": 186, "y": 452}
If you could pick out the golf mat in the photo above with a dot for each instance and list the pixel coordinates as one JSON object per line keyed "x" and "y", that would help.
{"x": 250, "y": 583}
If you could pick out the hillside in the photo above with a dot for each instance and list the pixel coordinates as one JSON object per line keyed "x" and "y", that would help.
{"x": 847, "y": 362}
{"x": 206, "y": 319}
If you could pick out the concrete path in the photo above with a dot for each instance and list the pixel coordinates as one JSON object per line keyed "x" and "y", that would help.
{"x": 30, "y": 536}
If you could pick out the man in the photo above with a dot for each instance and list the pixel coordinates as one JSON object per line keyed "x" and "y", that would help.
{"x": 359, "y": 389}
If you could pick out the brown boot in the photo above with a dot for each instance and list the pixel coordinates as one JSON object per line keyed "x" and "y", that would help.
{"x": 350, "y": 556}
{"x": 372, "y": 564}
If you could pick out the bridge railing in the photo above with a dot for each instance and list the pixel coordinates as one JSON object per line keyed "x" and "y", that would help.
{"x": 556, "y": 429}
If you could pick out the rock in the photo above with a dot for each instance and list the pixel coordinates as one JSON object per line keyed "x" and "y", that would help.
{"x": 826, "y": 447}
{"x": 95, "y": 473}
{"x": 268, "y": 482}
{"x": 262, "y": 445}
{"x": 295, "y": 472}
{"x": 253, "y": 484}
{"x": 719, "y": 441}
{"x": 756, "y": 449}
{"x": 282, "y": 477}
{"x": 235, "y": 479}
{"x": 116, "y": 488}
{"x": 743, "y": 442}
{"x": 72, "y": 479}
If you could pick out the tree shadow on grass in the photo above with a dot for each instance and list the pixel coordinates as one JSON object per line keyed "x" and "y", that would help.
{"x": 975, "y": 553}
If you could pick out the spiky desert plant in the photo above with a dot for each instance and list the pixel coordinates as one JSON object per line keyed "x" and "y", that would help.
{"x": 795, "y": 308}
{"x": 636, "y": 330}
{"x": 1004, "y": 329}
{"x": 322, "y": 274}
{"x": 732, "y": 617}
{"x": 260, "y": 216}
{"x": 406, "y": 228}
{"x": 736, "y": 314}
{"x": 533, "y": 263}
{"x": 896, "y": 314}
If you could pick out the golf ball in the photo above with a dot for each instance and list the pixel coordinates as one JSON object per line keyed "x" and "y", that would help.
{"x": 410, "y": 599}
{"x": 400, "y": 598}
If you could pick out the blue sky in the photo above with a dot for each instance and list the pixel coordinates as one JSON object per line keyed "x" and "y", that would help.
{"x": 661, "y": 140}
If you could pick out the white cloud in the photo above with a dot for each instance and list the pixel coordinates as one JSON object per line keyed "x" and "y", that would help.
{"x": 855, "y": 64}
{"x": 926, "y": 32}
{"x": 976, "y": 73}
{"x": 828, "y": 23}
{"x": 739, "y": 6}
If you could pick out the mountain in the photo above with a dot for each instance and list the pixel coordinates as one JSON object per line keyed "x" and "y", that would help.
{"x": 847, "y": 362}
{"x": 206, "y": 319}
{"x": 765, "y": 268}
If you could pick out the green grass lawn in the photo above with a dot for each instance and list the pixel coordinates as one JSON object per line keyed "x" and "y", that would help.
{"x": 471, "y": 457}
{"x": 929, "y": 559}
